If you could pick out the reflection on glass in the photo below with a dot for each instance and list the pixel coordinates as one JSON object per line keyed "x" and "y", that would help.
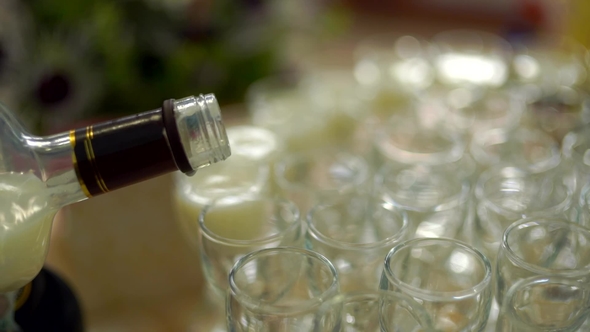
{"x": 469, "y": 57}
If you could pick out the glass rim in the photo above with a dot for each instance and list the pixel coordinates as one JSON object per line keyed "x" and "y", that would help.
{"x": 292, "y": 207}
{"x": 454, "y": 154}
{"x": 439, "y": 295}
{"x": 191, "y": 192}
{"x": 477, "y": 147}
{"x": 493, "y": 173}
{"x": 534, "y": 281}
{"x": 307, "y": 306}
{"x": 417, "y": 310}
{"x": 319, "y": 236}
{"x": 281, "y": 166}
{"x": 532, "y": 221}
{"x": 445, "y": 204}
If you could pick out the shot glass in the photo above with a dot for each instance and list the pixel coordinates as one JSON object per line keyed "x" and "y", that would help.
{"x": 525, "y": 148}
{"x": 435, "y": 199}
{"x": 247, "y": 175}
{"x": 416, "y": 136}
{"x": 355, "y": 233}
{"x": 471, "y": 57}
{"x": 557, "y": 111}
{"x": 581, "y": 214}
{"x": 550, "y": 61}
{"x": 390, "y": 69}
{"x": 230, "y": 229}
{"x": 280, "y": 290}
{"x": 544, "y": 247}
{"x": 310, "y": 178}
{"x": 451, "y": 280}
{"x": 507, "y": 194}
{"x": 575, "y": 150}
{"x": 283, "y": 105}
{"x": 377, "y": 311}
{"x": 545, "y": 304}
{"x": 472, "y": 110}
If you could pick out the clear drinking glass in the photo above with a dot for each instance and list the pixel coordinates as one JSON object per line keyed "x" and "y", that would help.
{"x": 582, "y": 212}
{"x": 471, "y": 110}
{"x": 435, "y": 199}
{"x": 545, "y": 304}
{"x": 557, "y": 111}
{"x": 377, "y": 311}
{"x": 451, "y": 280}
{"x": 310, "y": 178}
{"x": 507, "y": 194}
{"x": 414, "y": 136}
{"x": 542, "y": 246}
{"x": 280, "y": 290}
{"x": 576, "y": 153}
{"x": 283, "y": 105}
{"x": 229, "y": 229}
{"x": 255, "y": 151}
{"x": 390, "y": 68}
{"x": 355, "y": 233}
{"x": 336, "y": 95}
{"x": 525, "y": 148}
{"x": 471, "y": 57}
{"x": 550, "y": 61}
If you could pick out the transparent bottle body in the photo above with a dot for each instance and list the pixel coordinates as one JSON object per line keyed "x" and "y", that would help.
{"x": 38, "y": 176}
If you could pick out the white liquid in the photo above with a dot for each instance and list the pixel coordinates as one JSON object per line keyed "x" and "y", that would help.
{"x": 25, "y": 224}
{"x": 244, "y": 176}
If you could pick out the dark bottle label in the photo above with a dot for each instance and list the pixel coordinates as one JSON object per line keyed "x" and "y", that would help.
{"x": 121, "y": 152}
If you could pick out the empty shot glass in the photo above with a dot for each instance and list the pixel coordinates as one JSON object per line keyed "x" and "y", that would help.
{"x": 230, "y": 229}
{"x": 525, "y": 148}
{"x": 355, "y": 233}
{"x": 451, "y": 280}
{"x": 377, "y": 311}
{"x": 542, "y": 246}
{"x": 310, "y": 178}
{"x": 281, "y": 290}
{"x": 434, "y": 198}
{"x": 545, "y": 303}
{"x": 506, "y": 194}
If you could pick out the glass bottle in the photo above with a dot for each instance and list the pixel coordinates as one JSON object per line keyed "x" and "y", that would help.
{"x": 39, "y": 175}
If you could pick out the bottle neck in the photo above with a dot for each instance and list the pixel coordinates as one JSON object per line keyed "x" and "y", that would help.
{"x": 100, "y": 158}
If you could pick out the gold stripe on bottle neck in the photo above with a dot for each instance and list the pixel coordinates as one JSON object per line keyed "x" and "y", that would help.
{"x": 75, "y": 163}
{"x": 23, "y": 296}
{"x": 92, "y": 159}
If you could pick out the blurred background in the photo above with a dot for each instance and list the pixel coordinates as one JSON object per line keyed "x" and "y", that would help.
{"x": 64, "y": 63}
